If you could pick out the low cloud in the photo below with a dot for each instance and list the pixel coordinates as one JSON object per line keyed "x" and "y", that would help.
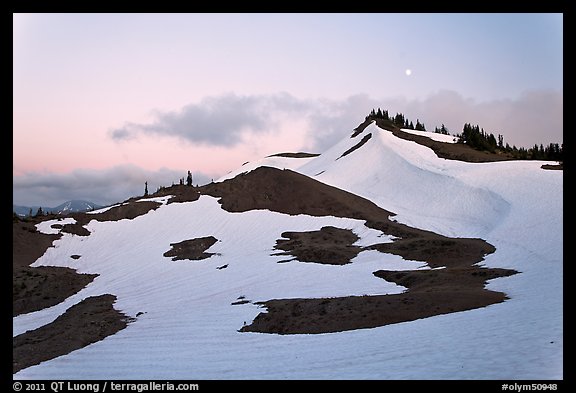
{"x": 102, "y": 187}
{"x": 332, "y": 120}
{"x": 218, "y": 121}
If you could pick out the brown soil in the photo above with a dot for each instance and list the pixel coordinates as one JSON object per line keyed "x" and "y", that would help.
{"x": 289, "y": 192}
{"x": 329, "y": 315}
{"x": 85, "y": 323}
{"x": 35, "y": 288}
{"x": 76, "y": 229}
{"x": 192, "y": 249}
{"x": 437, "y": 250}
{"x": 180, "y": 193}
{"x": 430, "y": 293}
{"x": 295, "y": 155}
{"x": 361, "y": 127}
{"x": 555, "y": 167}
{"x": 27, "y": 243}
{"x": 130, "y": 209}
{"x": 454, "y": 277}
{"x": 329, "y": 245}
{"x": 365, "y": 139}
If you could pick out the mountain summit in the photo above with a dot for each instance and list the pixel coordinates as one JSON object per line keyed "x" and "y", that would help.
{"x": 375, "y": 259}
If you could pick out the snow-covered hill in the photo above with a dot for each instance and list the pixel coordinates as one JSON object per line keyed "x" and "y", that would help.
{"x": 189, "y": 312}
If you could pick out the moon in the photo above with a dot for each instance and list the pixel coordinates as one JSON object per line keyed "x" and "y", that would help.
{"x": 408, "y": 72}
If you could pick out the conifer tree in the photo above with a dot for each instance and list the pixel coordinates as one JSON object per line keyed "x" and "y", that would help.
{"x": 189, "y": 179}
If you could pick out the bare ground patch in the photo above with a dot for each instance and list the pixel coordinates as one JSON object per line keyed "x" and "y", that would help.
{"x": 430, "y": 293}
{"x": 191, "y": 249}
{"x": 85, "y": 323}
{"x": 329, "y": 315}
{"x": 180, "y": 193}
{"x": 459, "y": 286}
{"x": 329, "y": 245}
{"x": 364, "y": 139}
{"x": 289, "y": 192}
{"x": 130, "y": 209}
{"x": 28, "y": 244}
{"x": 554, "y": 167}
{"x": 295, "y": 155}
{"x": 35, "y": 288}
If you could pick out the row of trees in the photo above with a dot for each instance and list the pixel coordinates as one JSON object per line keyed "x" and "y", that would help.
{"x": 477, "y": 138}
{"x": 39, "y": 213}
{"x": 442, "y": 130}
{"x": 399, "y": 120}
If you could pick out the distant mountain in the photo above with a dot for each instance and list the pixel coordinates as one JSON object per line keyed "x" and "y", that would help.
{"x": 75, "y": 206}
{"x": 64, "y": 208}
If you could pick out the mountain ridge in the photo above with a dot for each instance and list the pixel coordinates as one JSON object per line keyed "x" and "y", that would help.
{"x": 70, "y": 206}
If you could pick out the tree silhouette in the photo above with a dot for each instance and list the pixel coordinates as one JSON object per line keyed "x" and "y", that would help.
{"x": 189, "y": 179}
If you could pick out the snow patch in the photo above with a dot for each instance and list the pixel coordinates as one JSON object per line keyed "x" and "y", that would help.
{"x": 46, "y": 226}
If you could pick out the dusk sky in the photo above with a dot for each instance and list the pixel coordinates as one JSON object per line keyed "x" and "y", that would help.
{"x": 104, "y": 102}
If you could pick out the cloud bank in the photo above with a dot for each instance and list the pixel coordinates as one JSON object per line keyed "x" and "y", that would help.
{"x": 217, "y": 121}
{"x": 103, "y": 187}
